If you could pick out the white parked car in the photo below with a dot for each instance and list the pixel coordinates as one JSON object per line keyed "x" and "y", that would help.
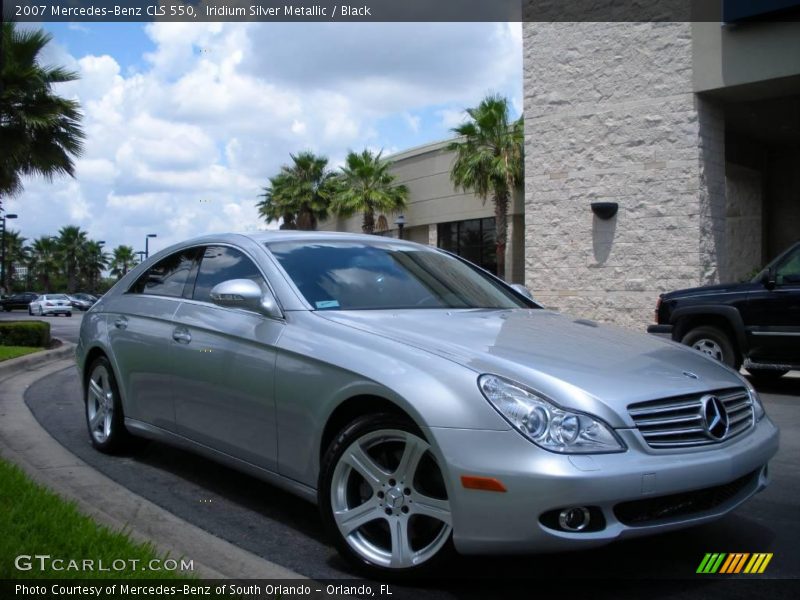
{"x": 51, "y": 304}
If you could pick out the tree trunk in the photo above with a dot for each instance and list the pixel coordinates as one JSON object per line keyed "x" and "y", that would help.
{"x": 368, "y": 225}
{"x": 501, "y": 231}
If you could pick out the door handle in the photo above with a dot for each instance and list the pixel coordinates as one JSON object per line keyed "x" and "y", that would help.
{"x": 182, "y": 336}
{"x": 121, "y": 323}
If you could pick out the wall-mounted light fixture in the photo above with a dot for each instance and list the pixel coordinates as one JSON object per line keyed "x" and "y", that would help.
{"x": 605, "y": 210}
{"x": 400, "y": 222}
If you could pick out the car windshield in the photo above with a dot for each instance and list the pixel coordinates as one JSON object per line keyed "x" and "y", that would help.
{"x": 386, "y": 275}
{"x": 56, "y": 297}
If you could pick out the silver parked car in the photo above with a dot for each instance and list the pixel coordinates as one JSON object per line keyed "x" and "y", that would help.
{"x": 51, "y": 304}
{"x": 421, "y": 402}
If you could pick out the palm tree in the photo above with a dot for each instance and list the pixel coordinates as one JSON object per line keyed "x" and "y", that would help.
{"x": 300, "y": 194}
{"x": 122, "y": 260}
{"x": 43, "y": 261}
{"x": 92, "y": 262}
{"x": 365, "y": 185}
{"x": 489, "y": 161}
{"x": 16, "y": 253}
{"x": 71, "y": 246}
{"x": 276, "y": 206}
{"x": 40, "y": 132}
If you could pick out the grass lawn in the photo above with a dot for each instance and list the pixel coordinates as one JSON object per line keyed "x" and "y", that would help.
{"x": 35, "y": 521}
{"x": 8, "y": 352}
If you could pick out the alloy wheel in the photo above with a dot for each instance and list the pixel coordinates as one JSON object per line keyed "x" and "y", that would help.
{"x": 389, "y": 501}
{"x": 709, "y": 347}
{"x": 100, "y": 404}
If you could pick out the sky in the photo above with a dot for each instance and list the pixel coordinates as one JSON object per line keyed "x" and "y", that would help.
{"x": 185, "y": 122}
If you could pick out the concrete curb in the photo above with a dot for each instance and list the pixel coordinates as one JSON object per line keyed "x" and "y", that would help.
{"x": 24, "y": 442}
{"x": 9, "y": 368}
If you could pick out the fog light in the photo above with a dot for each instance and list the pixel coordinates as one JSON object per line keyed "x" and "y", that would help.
{"x": 574, "y": 519}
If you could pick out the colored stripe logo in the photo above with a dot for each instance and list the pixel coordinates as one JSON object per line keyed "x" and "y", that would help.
{"x": 734, "y": 563}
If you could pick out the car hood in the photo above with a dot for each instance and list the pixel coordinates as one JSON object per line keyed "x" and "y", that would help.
{"x": 575, "y": 362}
{"x": 721, "y": 288}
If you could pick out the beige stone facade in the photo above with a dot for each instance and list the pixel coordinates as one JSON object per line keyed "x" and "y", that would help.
{"x": 612, "y": 114}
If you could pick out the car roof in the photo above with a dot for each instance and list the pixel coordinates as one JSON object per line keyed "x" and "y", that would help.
{"x": 266, "y": 237}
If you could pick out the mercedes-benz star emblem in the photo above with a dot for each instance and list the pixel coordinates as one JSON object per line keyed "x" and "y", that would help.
{"x": 715, "y": 418}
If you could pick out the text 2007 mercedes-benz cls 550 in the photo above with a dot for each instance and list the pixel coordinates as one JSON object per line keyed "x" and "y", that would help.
{"x": 421, "y": 402}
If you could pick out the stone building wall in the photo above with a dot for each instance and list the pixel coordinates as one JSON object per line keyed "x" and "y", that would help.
{"x": 610, "y": 115}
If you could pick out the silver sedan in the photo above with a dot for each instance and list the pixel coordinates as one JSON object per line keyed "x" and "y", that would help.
{"x": 51, "y": 304}
{"x": 422, "y": 403}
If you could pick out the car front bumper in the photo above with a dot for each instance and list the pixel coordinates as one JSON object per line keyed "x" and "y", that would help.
{"x": 659, "y": 488}
{"x": 664, "y": 331}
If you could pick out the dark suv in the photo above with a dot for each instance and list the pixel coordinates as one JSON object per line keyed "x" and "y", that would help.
{"x": 756, "y": 323}
{"x": 18, "y": 301}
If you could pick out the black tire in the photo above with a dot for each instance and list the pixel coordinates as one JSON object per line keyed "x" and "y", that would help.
{"x": 114, "y": 437}
{"x": 339, "y": 482}
{"x": 30, "y": 312}
{"x": 715, "y": 343}
{"x": 767, "y": 375}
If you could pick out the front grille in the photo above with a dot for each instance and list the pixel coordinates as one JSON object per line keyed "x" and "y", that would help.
{"x": 641, "y": 512}
{"x": 678, "y": 422}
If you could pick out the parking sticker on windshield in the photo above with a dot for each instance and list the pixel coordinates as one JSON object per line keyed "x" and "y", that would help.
{"x": 327, "y": 304}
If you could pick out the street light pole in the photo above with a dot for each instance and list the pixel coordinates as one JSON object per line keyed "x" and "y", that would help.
{"x": 3, "y": 252}
{"x": 147, "y": 244}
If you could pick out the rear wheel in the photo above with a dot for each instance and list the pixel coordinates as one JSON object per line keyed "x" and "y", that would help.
{"x": 104, "y": 416}
{"x": 715, "y": 343}
{"x": 383, "y": 499}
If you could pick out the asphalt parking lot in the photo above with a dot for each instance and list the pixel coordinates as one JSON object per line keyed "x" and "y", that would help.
{"x": 278, "y": 527}
{"x": 61, "y": 327}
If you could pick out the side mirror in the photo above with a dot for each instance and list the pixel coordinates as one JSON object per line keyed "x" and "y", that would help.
{"x": 247, "y": 294}
{"x": 768, "y": 279}
{"x": 522, "y": 291}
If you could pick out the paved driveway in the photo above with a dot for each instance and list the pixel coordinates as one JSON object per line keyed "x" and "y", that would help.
{"x": 278, "y": 527}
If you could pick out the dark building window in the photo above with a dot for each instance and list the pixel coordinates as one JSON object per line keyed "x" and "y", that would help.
{"x": 473, "y": 240}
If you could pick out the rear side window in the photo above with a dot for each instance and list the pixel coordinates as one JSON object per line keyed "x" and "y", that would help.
{"x": 167, "y": 277}
{"x": 221, "y": 263}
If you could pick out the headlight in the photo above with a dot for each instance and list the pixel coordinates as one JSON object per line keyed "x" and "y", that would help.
{"x": 545, "y": 423}
{"x": 758, "y": 408}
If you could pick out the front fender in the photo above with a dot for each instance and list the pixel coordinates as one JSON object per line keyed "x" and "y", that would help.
{"x": 729, "y": 313}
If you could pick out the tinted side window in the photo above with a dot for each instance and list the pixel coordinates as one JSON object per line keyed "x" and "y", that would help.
{"x": 789, "y": 269}
{"x": 168, "y": 276}
{"x": 219, "y": 264}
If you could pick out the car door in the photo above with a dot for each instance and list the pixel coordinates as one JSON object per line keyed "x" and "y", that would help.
{"x": 140, "y": 334}
{"x": 224, "y": 364}
{"x": 774, "y": 326}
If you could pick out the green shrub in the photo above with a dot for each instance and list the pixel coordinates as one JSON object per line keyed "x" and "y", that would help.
{"x": 25, "y": 333}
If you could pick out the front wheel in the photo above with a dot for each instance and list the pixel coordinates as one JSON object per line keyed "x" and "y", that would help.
{"x": 383, "y": 498}
{"x": 104, "y": 416}
{"x": 715, "y": 343}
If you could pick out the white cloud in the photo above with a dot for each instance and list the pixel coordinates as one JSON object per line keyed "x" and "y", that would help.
{"x": 184, "y": 145}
